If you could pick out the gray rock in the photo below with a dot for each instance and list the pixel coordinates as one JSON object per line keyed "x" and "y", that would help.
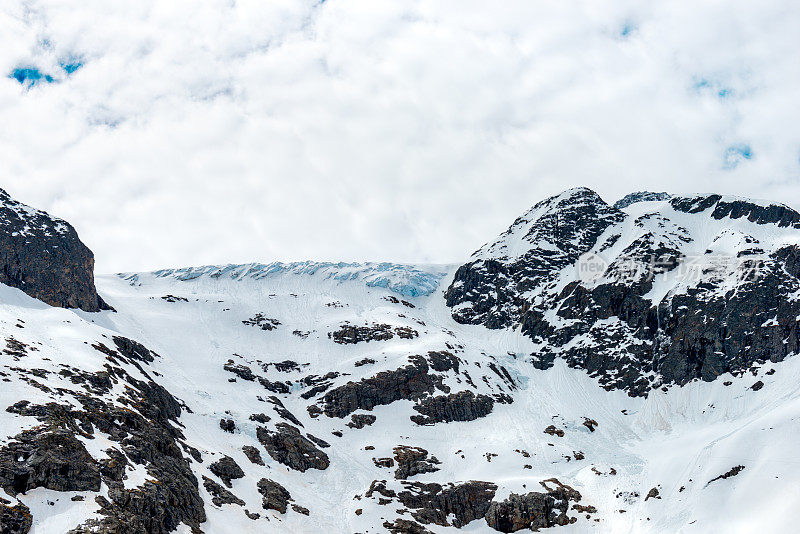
{"x": 461, "y": 406}
{"x": 15, "y": 519}
{"x": 226, "y": 469}
{"x": 55, "y": 460}
{"x": 413, "y": 461}
{"x": 275, "y": 496}
{"x": 287, "y": 446}
{"x": 434, "y": 503}
{"x": 533, "y": 510}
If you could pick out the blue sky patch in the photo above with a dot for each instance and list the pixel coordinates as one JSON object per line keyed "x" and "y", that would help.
{"x": 30, "y": 76}
{"x": 736, "y": 154}
{"x": 627, "y": 29}
{"x": 704, "y": 85}
{"x": 71, "y": 66}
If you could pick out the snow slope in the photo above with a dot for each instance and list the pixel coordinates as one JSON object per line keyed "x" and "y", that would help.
{"x": 677, "y": 440}
{"x": 683, "y": 437}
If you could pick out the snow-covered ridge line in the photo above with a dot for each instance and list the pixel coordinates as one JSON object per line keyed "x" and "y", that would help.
{"x": 405, "y": 280}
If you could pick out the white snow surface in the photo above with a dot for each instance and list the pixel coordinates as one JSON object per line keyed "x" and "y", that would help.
{"x": 675, "y": 440}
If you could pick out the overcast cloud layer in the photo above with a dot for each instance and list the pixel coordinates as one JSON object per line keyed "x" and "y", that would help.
{"x": 180, "y": 132}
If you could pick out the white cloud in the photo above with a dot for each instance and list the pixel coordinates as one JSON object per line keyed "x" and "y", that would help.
{"x": 241, "y": 130}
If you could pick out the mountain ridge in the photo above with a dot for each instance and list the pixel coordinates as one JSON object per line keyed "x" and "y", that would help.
{"x": 379, "y": 397}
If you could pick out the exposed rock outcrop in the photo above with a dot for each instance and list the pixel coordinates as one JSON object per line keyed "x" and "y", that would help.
{"x": 140, "y": 424}
{"x": 55, "y": 460}
{"x": 262, "y": 322}
{"x": 43, "y": 256}
{"x": 253, "y": 454}
{"x": 360, "y": 420}
{"x": 454, "y": 504}
{"x": 413, "y": 461}
{"x": 732, "y": 472}
{"x": 226, "y": 469}
{"x": 351, "y": 334}
{"x": 461, "y": 406}
{"x": 405, "y": 526}
{"x": 14, "y": 519}
{"x": 533, "y": 510}
{"x": 287, "y": 446}
{"x": 410, "y": 382}
{"x": 220, "y": 495}
{"x": 275, "y": 496}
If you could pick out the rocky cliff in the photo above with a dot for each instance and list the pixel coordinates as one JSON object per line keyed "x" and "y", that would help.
{"x": 43, "y": 256}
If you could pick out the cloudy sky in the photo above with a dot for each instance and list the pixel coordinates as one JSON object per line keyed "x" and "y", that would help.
{"x": 181, "y": 132}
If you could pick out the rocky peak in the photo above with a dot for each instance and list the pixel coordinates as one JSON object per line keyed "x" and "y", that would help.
{"x": 528, "y": 256}
{"x": 566, "y": 222}
{"x": 43, "y": 256}
{"x": 681, "y": 289}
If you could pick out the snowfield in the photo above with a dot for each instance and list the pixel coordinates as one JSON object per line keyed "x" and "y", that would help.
{"x": 345, "y": 398}
{"x": 676, "y": 440}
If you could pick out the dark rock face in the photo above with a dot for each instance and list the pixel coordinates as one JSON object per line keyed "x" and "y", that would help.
{"x": 287, "y": 446}
{"x": 260, "y": 418}
{"x": 253, "y": 454}
{"x": 412, "y": 382}
{"x": 553, "y": 431}
{"x": 533, "y": 510}
{"x": 276, "y": 497}
{"x": 405, "y": 526}
{"x": 141, "y": 424}
{"x": 383, "y": 462}
{"x": 15, "y": 519}
{"x": 350, "y": 334}
{"x": 461, "y": 406}
{"x": 54, "y": 460}
{"x": 43, "y": 256}
{"x": 220, "y": 495}
{"x": 242, "y": 371}
{"x": 226, "y": 469}
{"x": 726, "y": 319}
{"x": 732, "y": 472}
{"x": 433, "y": 503}
{"x": 361, "y": 420}
{"x": 264, "y": 323}
{"x": 227, "y": 425}
{"x": 413, "y": 461}
{"x": 653, "y": 494}
{"x": 488, "y": 288}
{"x": 133, "y": 350}
{"x": 670, "y": 339}
{"x": 735, "y": 209}
{"x": 301, "y": 509}
{"x": 442, "y": 361}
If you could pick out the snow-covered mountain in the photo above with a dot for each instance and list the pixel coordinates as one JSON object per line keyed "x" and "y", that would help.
{"x": 597, "y": 368}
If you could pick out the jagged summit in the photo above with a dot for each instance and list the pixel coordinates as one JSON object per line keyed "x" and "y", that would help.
{"x": 560, "y": 224}
{"x": 620, "y": 293}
